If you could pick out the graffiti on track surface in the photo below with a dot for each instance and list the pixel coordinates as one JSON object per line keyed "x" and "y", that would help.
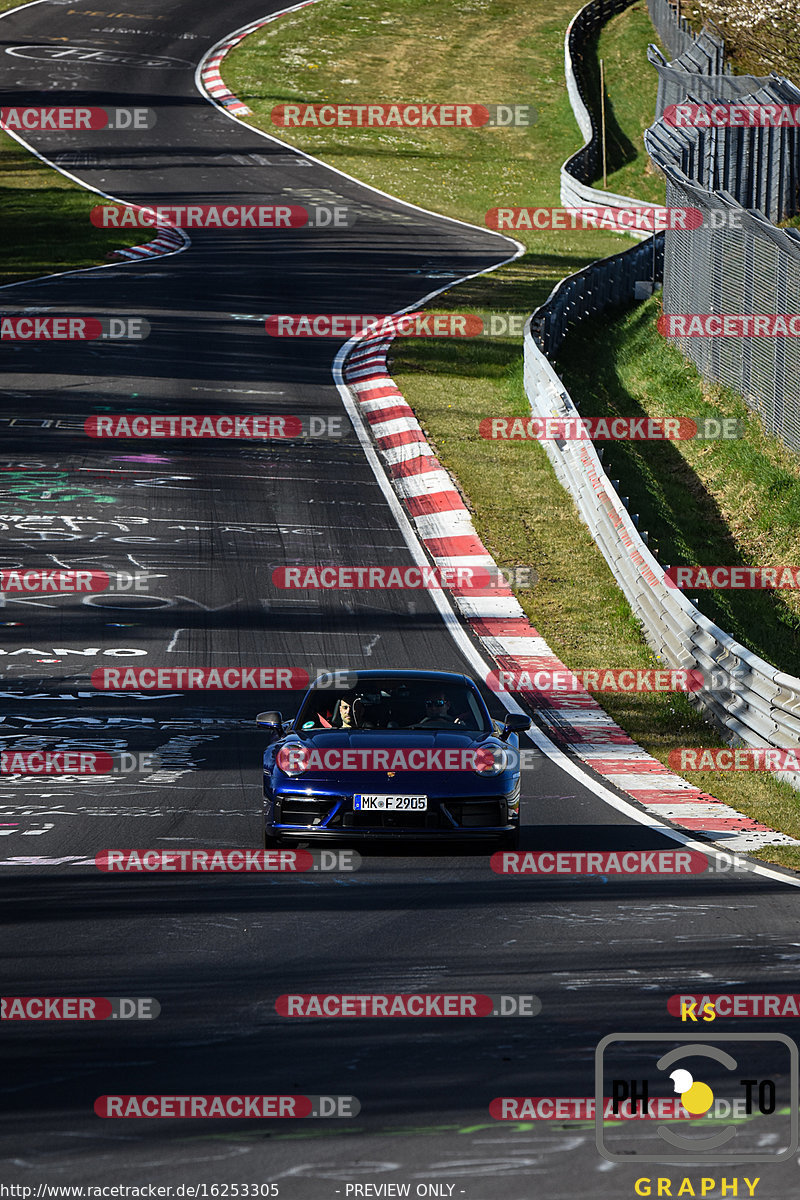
{"x": 53, "y": 486}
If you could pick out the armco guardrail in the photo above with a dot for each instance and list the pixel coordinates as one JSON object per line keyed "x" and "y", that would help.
{"x": 737, "y": 261}
{"x": 601, "y": 285}
{"x": 749, "y": 701}
{"x": 742, "y": 178}
{"x": 586, "y": 164}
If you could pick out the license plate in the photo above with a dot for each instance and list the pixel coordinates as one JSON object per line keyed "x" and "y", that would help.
{"x": 372, "y": 803}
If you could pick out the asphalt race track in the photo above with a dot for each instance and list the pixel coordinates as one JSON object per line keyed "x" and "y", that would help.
{"x": 208, "y": 522}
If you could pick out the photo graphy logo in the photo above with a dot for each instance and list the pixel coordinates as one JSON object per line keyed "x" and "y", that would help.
{"x": 740, "y": 1091}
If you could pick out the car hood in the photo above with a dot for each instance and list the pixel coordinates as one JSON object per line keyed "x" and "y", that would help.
{"x": 433, "y": 781}
{"x": 390, "y": 738}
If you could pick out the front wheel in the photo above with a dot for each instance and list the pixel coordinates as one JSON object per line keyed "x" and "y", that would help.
{"x": 271, "y": 842}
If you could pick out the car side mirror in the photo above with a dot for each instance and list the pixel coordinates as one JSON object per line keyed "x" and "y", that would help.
{"x": 270, "y": 720}
{"x": 515, "y": 723}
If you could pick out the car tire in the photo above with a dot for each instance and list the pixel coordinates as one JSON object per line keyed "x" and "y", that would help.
{"x": 271, "y": 842}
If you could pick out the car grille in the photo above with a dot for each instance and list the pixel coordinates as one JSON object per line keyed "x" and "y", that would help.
{"x": 395, "y": 820}
{"x": 467, "y": 812}
{"x": 480, "y": 811}
{"x": 291, "y": 810}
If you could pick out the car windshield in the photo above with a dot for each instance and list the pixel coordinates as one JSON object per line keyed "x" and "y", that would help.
{"x": 394, "y": 704}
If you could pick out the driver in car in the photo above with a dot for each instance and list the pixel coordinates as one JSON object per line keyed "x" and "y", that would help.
{"x": 346, "y": 715}
{"x": 357, "y": 712}
{"x": 437, "y": 712}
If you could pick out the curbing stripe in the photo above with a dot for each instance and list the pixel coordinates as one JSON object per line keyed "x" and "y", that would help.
{"x": 575, "y": 718}
{"x": 210, "y": 72}
{"x": 452, "y": 527}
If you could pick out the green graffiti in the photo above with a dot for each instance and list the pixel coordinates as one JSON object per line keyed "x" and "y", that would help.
{"x": 51, "y": 486}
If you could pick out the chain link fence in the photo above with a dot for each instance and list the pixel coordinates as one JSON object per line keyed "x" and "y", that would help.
{"x": 700, "y": 68}
{"x": 751, "y": 269}
{"x": 674, "y": 31}
{"x": 738, "y": 262}
{"x": 758, "y": 165}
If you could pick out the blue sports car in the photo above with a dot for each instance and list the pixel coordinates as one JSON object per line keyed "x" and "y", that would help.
{"x": 399, "y": 754}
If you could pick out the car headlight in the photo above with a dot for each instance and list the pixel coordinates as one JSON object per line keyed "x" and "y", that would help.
{"x": 490, "y": 760}
{"x": 292, "y": 759}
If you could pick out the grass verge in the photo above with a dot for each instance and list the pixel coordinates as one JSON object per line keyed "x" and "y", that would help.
{"x": 46, "y": 225}
{"x": 507, "y": 52}
{"x": 734, "y": 502}
{"x": 629, "y": 79}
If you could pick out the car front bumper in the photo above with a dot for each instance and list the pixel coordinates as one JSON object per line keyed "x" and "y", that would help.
{"x": 327, "y": 816}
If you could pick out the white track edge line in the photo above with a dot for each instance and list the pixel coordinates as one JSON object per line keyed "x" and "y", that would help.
{"x": 251, "y": 27}
{"x": 479, "y": 664}
{"x": 451, "y": 621}
{"x": 87, "y": 188}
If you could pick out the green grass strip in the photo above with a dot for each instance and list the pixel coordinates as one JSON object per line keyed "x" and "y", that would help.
{"x": 509, "y": 51}
{"x": 45, "y": 216}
